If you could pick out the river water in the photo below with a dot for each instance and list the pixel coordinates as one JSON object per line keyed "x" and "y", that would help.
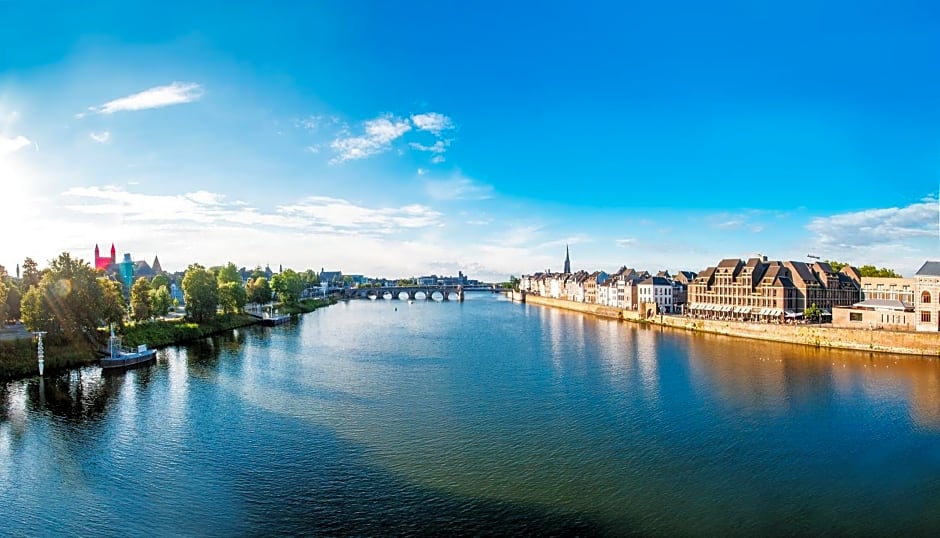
{"x": 483, "y": 417}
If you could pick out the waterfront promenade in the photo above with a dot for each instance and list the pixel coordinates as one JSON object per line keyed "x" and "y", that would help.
{"x": 816, "y": 335}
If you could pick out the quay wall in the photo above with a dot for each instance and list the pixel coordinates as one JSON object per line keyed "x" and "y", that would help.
{"x": 911, "y": 343}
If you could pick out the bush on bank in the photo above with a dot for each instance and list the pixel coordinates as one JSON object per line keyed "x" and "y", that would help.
{"x": 18, "y": 358}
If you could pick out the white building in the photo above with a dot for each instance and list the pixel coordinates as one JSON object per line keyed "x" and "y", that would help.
{"x": 656, "y": 289}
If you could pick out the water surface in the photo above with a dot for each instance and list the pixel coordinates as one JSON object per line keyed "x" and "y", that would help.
{"x": 486, "y": 417}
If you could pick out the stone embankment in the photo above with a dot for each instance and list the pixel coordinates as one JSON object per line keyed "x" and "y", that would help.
{"x": 911, "y": 343}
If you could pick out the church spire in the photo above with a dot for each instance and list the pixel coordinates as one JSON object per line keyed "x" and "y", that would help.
{"x": 567, "y": 261}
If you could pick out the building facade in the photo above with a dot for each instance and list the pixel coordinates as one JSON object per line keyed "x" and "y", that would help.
{"x": 926, "y": 296}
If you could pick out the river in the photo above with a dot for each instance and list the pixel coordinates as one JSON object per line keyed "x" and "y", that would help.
{"x": 482, "y": 417}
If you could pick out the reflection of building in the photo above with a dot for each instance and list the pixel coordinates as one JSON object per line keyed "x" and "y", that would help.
{"x": 926, "y": 296}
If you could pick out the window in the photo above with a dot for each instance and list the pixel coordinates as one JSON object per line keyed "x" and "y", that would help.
{"x": 925, "y": 298}
{"x": 925, "y": 316}
{"x": 855, "y": 316}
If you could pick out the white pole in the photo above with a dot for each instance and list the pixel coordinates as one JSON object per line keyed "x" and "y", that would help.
{"x": 40, "y": 350}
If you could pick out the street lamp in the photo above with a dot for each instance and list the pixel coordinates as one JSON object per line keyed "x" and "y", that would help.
{"x": 39, "y": 349}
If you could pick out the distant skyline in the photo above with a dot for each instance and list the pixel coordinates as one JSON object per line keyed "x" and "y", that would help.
{"x": 403, "y": 139}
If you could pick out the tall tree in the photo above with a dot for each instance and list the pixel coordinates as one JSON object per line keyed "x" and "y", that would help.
{"x": 200, "y": 293}
{"x": 31, "y": 274}
{"x": 112, "y": 301}
{"x": 288, "y": 285}
{"x": 229, "y": 273}
{"x": 160, "y": 301}
{"x": 4, "y": 290}
{"x": 67, "y": 301}
{"x": 140, "y": 299}
{"x": 232, "y": 297}
{"x": 14, "y": 299}
{"x": 259, "y": 291}
{"x": 159, "y": 281}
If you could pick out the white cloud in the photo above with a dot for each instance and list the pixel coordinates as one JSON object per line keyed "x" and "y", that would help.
{"x": 437, "y": 159}
{"x": 175, "y": 93}
{"x": 102, "y": 138}
{"x": 314, "y": 122}
{"x": 626, "y": 242}
{"x": 432, "y": 122}
{"x": 378, "y": 136}
{"x": 342, "y": 215}
{"x": 314, "y": 149}
{"x": 438, "y": 147}
{"x": 458, "y": 188}
{"x": 10, "y": 145}
{"x": 878, "y": 226}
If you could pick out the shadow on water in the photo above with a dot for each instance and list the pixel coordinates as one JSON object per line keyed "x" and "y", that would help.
{"x": 334, "y": 491}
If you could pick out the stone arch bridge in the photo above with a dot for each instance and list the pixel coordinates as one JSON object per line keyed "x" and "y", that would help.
{"x": 447, "y": 293}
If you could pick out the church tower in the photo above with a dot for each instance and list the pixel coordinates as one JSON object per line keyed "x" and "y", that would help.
{"x": 113, "y": 255}
{"x": 157, "y": 270}
{"x": 567, "y": 261}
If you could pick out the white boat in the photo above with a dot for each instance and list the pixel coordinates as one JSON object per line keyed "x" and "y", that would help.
{"x": 121, "y": 357}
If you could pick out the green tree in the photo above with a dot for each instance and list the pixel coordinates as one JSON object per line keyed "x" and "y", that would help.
{"x": 66, "y": 302}
{"x": 232, "y": 297}
{"x": 867, "y": 270}
{"x": 140, "y": 299}
{"x": 112, "y": 302}
{"x": 14, "y": 298}
{"x": 200, "y": 293}
{"x": 813, "y": 313}
{"x": 31, "y": 274}
{"x": 229, "y": 273}
{"x": 288, "y": 285}
{"x": 259, "y": 292}
{"x": 160, "y": 281}
{"x": 883, "y": 272}
{"x": 311, "y": 278}
{"x": 4, "y": 291}
{"x": 160, "y": 300}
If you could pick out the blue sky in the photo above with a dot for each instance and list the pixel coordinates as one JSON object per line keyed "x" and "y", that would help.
{"x": 396, "y": 140}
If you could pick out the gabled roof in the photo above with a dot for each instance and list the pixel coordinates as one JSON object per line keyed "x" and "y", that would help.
{"x": 729, "y": 262}
{"x": 656, "y": 281}
{"x": 929, "y": 269}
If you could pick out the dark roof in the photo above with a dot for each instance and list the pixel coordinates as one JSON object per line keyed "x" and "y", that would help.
{"x": 657, "y": 281}
{"x": 929, "y": 269}
{"x": 729, "y": 262}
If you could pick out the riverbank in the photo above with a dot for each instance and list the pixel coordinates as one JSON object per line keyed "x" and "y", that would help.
{"x": 18, "y": 357}
{"x": 908, "y": 343}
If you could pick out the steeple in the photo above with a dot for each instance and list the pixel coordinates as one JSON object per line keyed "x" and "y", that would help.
{"x": 113, "y": 255}
{"x": 157, "y": 270}
{"x": 567, "y": 261}
{"x": 96, "y": 251}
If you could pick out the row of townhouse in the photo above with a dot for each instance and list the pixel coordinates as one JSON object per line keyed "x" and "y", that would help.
{"x": 758, "y": 289}
{"x": 626, "y": 289}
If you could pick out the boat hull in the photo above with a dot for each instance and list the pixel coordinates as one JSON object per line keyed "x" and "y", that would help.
{"x": 129, "y": 359}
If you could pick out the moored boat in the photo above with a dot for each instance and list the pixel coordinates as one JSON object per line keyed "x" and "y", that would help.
{"x": 121, "y": 357}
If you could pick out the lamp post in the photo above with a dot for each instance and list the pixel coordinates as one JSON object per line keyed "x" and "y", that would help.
{"x": 39, "y": 349}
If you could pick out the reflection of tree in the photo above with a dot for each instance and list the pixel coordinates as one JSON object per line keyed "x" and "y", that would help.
{"x": 78, "y": 395}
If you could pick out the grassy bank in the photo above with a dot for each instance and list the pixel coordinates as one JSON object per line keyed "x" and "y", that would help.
{"x": 161, "y": 333}
{"x": 18, "y": 358}
{"x": 306, "y": 306}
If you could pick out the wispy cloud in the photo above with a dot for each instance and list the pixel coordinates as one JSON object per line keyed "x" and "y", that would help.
{"x": 101, "y": 138}
{"x": 458, "y": 187}
{"x": 378, "y": 135}
{"x": 878, "y": 226}
{"x": 626, "y": 242}
{"x": 438, "y": 147}
{"x": 10, "y": 145}
{"x": 432, "y": 122}
{"x": 312, "y": 214}
{"x": 175, "y": 93}
{"x": 314, "y": 122}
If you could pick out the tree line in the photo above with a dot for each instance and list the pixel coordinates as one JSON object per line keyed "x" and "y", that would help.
{"x": 71, "y": 300}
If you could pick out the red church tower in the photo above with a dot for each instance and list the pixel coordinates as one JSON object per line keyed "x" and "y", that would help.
{"x": 102, "y": 263}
